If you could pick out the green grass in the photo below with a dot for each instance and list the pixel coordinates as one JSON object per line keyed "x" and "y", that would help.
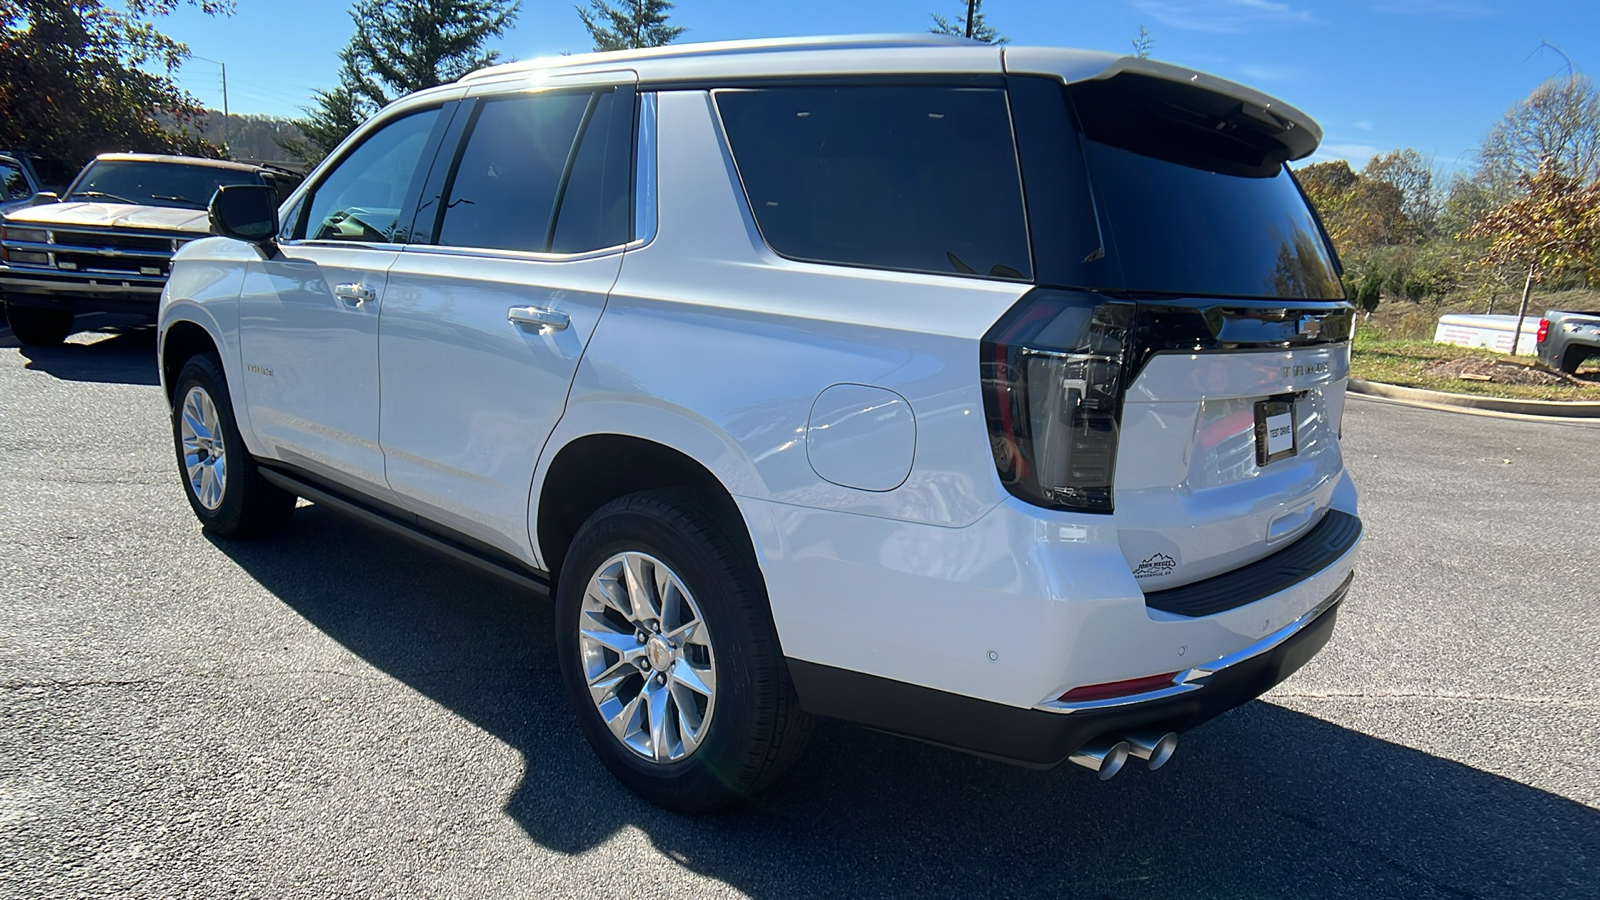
{"x": 1376, "y": 357}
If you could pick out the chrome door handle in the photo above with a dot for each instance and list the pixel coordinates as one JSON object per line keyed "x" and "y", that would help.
{"x": 539, "y": 316}
{"x": 354, "y": 293}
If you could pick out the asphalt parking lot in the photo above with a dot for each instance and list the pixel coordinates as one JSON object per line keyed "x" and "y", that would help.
{"x": 330, "y": 713}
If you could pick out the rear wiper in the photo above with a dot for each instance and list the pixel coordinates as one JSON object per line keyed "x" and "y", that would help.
{"x": 100, "y": 195}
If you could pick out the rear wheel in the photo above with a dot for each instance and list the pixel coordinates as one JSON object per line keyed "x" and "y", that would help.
{"x": 669, "y": 655}
{"x": 224, "y": 487}
{"x": 39, "y": 327}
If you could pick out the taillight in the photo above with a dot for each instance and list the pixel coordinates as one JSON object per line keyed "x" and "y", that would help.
{"x": 1544, "y": 331}
{"x": 1053, "y": 376}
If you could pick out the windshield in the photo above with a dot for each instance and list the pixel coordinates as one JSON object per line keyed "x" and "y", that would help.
{"x": 146, "y": 183}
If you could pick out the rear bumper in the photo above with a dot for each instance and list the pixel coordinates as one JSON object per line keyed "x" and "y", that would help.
{"x": 1043, "y": 737}
{"x": 81, "y": 293}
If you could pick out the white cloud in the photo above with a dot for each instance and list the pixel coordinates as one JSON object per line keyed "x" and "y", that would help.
{"x": 1357, "y": 155}
{"x": 1364, "y": 124}
{"x": 1443, "y": 9}
{"x": 1223, "y": 16}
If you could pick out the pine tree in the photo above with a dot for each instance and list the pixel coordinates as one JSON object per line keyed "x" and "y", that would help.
{"x": 632, "y": 24}
{"x": 400, "y": 47}
{"x": 980, "y": 30}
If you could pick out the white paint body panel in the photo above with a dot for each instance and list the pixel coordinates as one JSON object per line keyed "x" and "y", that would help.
{"x": 470, "y": 396}
{"x": 1187, "y": 483}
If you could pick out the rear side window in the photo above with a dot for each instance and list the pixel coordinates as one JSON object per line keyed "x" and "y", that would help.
{"x": 920, "y": 179}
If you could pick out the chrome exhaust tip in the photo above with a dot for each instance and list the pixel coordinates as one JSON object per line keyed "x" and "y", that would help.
{"x": 1153, "y": 747}
{"x": 1103, "y": 755}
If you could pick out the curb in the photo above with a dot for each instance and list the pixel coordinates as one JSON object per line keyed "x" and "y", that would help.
{"x": 1543, "y": 409}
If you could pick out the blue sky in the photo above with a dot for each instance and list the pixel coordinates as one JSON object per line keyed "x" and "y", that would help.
{"x": 1378, "y": 74}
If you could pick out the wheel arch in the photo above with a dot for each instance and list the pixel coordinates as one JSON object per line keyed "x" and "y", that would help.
{"x": 593, "y": 469}
{"x": 181, "y": 341}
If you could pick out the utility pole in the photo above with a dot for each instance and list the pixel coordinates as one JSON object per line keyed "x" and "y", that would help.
{"x": 972, "y": 10}
{"x": 224, "y": 93}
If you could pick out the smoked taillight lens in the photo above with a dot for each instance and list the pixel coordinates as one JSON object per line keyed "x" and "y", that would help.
{"x": 1054, "y": 368}
{"x": 1544, "y": 331}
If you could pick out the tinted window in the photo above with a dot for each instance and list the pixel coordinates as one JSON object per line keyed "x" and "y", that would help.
{"x": 361, "y": 199}
{"x": 1186, "y": 230}
{"x": 1193, "y": 187}
{"x": 14, "y": 183}
{"x": 915, "y": 178}
{"x": 594, "y": 206}
{"x": 148, "y": 183}
{"x": 504, "y": 187}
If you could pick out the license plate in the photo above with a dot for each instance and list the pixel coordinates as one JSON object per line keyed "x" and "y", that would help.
{"x": 1275, "y": 437}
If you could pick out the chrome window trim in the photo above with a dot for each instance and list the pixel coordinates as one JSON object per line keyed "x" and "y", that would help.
{"x": 1197, "y": 677}
{"x": 516, "y": 255}
{"x": 645, "y": 208}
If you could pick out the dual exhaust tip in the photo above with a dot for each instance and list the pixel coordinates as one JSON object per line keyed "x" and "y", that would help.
{"x": 1107, "y": 755}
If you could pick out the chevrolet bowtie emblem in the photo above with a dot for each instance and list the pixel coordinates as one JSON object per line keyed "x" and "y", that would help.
{"x": 1310, "y": 326}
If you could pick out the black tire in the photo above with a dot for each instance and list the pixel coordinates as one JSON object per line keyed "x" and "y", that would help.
{"x": 756, "y": 729}
{"x": 248, "y": 506}
{"x": 38, "y": 327}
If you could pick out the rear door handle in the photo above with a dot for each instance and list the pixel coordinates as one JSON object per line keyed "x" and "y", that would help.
{"x": 354, "y": 293}
{"x": 538, "y": 316}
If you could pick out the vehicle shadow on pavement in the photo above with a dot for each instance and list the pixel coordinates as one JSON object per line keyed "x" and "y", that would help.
{"x": 1263, "y": 801}
{"x": 112, "y": 353}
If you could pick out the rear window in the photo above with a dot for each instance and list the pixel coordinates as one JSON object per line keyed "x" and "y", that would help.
{"x": 1192, "y": 193}
{"x": 912, "y": 178}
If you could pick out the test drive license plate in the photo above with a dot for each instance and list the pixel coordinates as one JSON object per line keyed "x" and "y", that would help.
{"x": 1275, "y": 438}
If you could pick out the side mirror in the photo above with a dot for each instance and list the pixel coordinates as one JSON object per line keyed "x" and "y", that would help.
{"x": 245, "y": 212}
{"x": 44, "y": 197}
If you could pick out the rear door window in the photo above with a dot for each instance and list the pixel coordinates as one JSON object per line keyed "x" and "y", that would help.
{"x": 912, "y": 178}
{"x": 506, "y": 184}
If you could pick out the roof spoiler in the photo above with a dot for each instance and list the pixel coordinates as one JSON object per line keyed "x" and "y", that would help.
{"x": 1297, "y": 133}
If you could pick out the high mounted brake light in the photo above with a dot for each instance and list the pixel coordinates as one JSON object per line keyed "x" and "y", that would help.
{"x": 1054, "y": 368}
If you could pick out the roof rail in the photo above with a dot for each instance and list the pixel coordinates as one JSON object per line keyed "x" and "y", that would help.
{"x": 722, "y": 48}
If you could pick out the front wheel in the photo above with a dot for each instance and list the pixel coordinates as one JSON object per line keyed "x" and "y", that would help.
{"x": 225, "y": 490}
{"x": 38, "y": 327}
{"x": 669, "y": 655}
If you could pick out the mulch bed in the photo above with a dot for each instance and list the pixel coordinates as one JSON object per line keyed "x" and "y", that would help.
{"x": 1503, "y": 371}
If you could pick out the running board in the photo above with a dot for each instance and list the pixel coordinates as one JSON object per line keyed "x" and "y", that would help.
{"x": 527, "y": 579}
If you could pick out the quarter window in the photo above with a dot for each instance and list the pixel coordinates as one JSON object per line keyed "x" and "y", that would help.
{"x": 363, "y": 197}
{"x": 920, "y": 179}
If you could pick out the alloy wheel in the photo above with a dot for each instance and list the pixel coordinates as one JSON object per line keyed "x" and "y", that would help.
{"x": 205, "y": 458}
{"x": 647, "y": 657}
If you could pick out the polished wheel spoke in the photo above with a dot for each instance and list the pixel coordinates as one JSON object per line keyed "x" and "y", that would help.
{"x": 205, "y": 458}
{"x": 647, "y": 658}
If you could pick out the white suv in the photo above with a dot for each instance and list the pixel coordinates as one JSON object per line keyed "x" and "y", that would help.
{"x": 989, "y": 396}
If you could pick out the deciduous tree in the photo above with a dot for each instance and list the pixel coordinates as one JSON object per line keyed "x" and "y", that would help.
{"x": 81, "y": 77}
{"x": 1556, "y": 126}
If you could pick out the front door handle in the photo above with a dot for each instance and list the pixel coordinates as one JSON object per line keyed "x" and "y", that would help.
{"x": 538, "y": 316}
{"x": 354, "y": 293}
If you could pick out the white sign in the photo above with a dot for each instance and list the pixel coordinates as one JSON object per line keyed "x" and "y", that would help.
{"x": 1280, "y": 433}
